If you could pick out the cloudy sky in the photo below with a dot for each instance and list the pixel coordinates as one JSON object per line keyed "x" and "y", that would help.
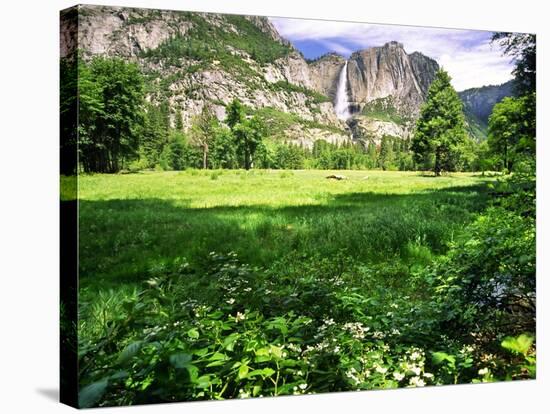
{"x": 467, "y": 55}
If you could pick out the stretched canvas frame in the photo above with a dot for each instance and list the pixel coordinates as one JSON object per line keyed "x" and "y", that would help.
{"x": 171, "y": 291}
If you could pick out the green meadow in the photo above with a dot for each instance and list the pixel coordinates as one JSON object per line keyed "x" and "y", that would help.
{"x": 130, "y": 223}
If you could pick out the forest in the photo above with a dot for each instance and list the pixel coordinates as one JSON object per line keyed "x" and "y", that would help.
{"x": 219, "y": 262}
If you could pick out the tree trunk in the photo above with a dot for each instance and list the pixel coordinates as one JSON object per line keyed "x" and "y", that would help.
{"x": 437, "y": 165}
{"x": 506, "y": 163}
{"x": 205, "y": 156}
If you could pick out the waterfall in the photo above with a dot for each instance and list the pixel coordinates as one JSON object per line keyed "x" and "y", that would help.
{"x": 342, "y": 104}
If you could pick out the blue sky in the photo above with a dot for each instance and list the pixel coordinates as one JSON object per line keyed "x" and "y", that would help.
{"x": 467, "y": 55}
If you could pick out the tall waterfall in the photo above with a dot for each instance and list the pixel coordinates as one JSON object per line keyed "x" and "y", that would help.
{"x": 342, "y": 104}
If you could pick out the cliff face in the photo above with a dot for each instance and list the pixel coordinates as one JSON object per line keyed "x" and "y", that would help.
{"x": 324, "y": 73}
{"x": 197, "y": 59}
{"x": 480, "y": 101}
{"x": 388, "y": 71}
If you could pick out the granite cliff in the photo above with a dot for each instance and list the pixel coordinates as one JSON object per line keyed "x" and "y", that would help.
{"x": 197, "y": 59}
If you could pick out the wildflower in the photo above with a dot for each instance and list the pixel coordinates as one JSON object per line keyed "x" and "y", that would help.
{"x": 302, "y": 386}
{"x": 428, "y": 375}
{"x": 483, "y": 371}
{"x": 415, "y": 370}
{"x": 417, "y": 382}
{"x": 378, "y": 335}
{"x": 415, "y": 356}
{"x": 231, "y": 301}
{"x": 381, "y": 370}
{"x": 240, "y": 317}
{"x": 398, "y": 376}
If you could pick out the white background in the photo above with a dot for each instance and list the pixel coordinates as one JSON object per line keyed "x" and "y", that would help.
{"x": 29, "y": 205}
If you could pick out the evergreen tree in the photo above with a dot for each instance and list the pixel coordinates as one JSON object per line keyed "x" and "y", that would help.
{"x": 440, "y": 130}
{"x": 387, "y": 156}
{"x": 179, "y": 121}
{"x": 176, "y": 154}
{"x": 154, "y": 136}
{"x": 235, "y": 113}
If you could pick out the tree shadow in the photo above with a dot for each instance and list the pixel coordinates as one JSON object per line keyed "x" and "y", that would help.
{"x": 121, "y": 240}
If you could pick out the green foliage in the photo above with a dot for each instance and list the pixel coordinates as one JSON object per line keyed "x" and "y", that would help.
{"x": 223, "y": 150}
{"x": 153, "y": 135}
{"x": 203, "y": 131}
{"x": 522, "y": 47}
{"x": 384, "y": 109}
{"x": 111, "y": 102}
{"x": 247, "y": 136}
{"x": 206, "y": 42}
{"x": 512, "y": 130}
{"x": 235, "y": 113}
{"x": 314, "y": 97}
{"x": 288, "y": 157}
{"x": 520, "y": 345}
{"x": 440, "y": 130}
{"x": 345, "y": 289}
{"x": 68, "y": 113}
{"x": 386, "y": 158}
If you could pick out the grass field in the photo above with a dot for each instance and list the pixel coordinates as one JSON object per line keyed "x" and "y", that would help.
{"x": 130, "y": 223}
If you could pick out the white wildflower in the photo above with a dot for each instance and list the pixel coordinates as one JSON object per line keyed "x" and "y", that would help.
{"x": 231, "y": 301}
{"x": 483, "y": 371}
{"x": 416, "y": 382}
{"x": 381, "y": 370}
{"x": 415, "y": 356}
{"x": 398, "y": 376}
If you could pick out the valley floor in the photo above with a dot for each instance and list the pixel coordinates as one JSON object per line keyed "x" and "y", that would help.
{"x": 129, "y": 223}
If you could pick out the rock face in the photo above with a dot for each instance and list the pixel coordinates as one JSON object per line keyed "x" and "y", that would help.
{"x": 388, "y": 71}
{"x": 198, "y": 59}
{"x": 479, "y": 102}
{"x": 190, "y": 79}
{"x": 324, "y": 73}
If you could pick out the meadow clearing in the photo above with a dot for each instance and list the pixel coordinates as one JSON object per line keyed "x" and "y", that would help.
{"x": 130, "y": 223}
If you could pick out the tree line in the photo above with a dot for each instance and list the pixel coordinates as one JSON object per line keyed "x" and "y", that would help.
{"x": 118, "y": 128}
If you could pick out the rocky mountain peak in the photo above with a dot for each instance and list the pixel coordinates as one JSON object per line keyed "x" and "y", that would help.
{"x": 388, "y": 71}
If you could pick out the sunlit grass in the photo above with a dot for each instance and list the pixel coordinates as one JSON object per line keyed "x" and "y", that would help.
{"x": 129, "y": 223}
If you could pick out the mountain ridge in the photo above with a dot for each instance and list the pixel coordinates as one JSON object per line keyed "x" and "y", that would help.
{"x": 197, "y": 59}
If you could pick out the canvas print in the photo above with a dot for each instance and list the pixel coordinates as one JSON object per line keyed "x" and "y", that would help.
{"x": 263, "y": 206}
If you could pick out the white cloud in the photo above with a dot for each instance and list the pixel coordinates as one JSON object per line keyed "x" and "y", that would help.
{"x": 466, "y": 54}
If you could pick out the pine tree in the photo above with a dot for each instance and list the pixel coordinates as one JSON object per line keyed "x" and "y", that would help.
{"x": 440, "y": 130}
